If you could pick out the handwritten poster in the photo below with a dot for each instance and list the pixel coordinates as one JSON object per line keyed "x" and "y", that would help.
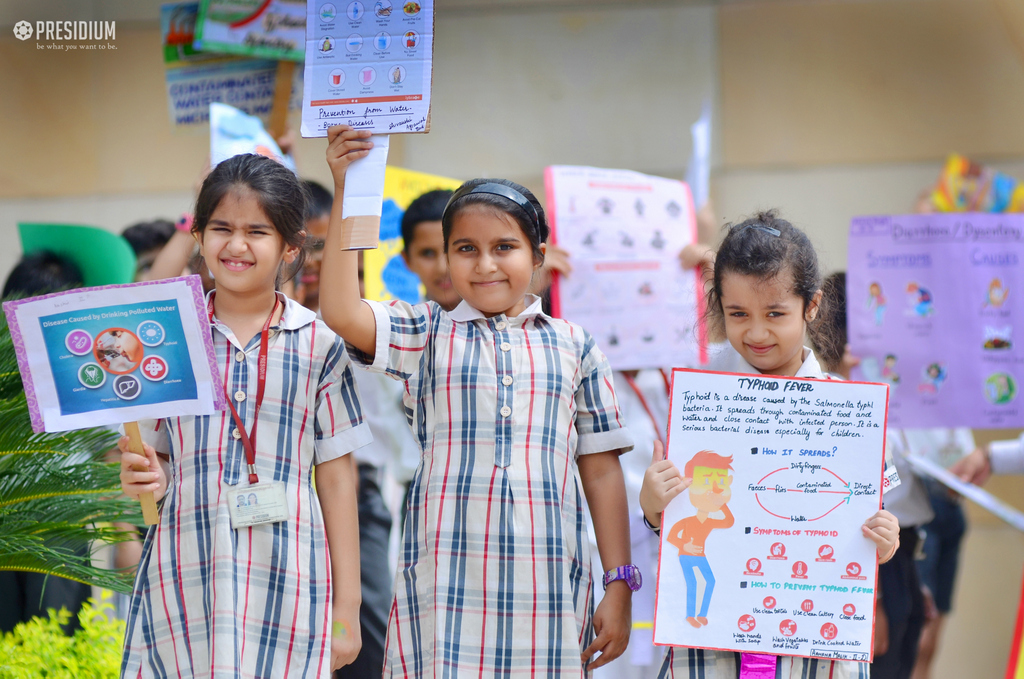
{"x": 385, "y": 274}
{"x": 933, "y": 303}
{"x": 764, "y": 552}
{"x": 196, "y": 79}
{"x": 119, "y": 353}
{"x": 624, "y": 232}
{"x": 271, "y": 29}
{"x": 368, "y": 65}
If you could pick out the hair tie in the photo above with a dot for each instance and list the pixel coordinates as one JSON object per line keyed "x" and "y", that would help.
{"x": 761, "y": 227}
{"x": 496, "y": 189}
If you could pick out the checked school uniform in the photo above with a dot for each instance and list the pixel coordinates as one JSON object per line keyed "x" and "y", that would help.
{"x": 693, "y": 663}
{"x": 494, "y": 574}
{"x": 211, "y": 601}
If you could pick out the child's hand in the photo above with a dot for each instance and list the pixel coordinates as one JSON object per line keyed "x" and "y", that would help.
{"x": 346, "y": 640}
{"x": 613, "y": 621}
{"x": 884, "y": 530}
{"x": 345, "y": 145}
{"x": 662, "y": 482}
{"x": 151, "y": 478}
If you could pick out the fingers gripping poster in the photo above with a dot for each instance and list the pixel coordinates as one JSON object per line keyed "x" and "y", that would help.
{"x": 120, "y": 353}
{"x": 765, "y": 552}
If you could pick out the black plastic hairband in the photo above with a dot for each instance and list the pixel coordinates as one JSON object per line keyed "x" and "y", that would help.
{"x": 496, "y": 189}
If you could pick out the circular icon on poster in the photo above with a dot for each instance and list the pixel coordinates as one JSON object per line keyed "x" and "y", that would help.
{"x": 829, "y": 631}
{"x": 1000, "y": 388}
{"x": 382, "y": 40}
{"x": 328, "y": 12}
{"x": 150, "y": 333}
{"x": 354, "y": 42}
{"x": 747, "y": 623}
{"x": 336, "y": 78}
{"x": 787, "y": 627}
{"x": 367, "y": 76}
{"x": 753, "y": 565}
{"x": 326, "y": 46}
{"x": 853, "y": 569}
{"x": 411, "y": 39}
{"x": 127, "y": 387}
{"x": 769, "y": 602}
{"x": 396, "y": 75}
{"x": 354, "y": 11}
{"x": 807, "y": 606}
{"x": 78, "y": 342}
{"x": 118, "y": 351}
{"x": 91, "y": 376}
{"x": 154, "y": 368}
{"x": 849, "y": 610}
{"x": 411, "y": 8}
{"x": 382, "y": 8}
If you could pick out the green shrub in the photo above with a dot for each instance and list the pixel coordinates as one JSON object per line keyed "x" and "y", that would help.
{"x": 39, "y": 648}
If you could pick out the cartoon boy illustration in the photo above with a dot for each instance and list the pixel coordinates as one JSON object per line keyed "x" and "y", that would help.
{"x": 710, "y": 490}
{"x": 876, "y": 301}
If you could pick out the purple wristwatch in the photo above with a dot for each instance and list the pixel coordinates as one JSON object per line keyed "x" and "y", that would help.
{"x": 630, "y": 573}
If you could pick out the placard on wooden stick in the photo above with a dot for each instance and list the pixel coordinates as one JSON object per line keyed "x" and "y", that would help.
{"x": 116, "y": 354}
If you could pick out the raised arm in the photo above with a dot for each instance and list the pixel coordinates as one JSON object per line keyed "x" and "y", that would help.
{"x": 340, "y": 303}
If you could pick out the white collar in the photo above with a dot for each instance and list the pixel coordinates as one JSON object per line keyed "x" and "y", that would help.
{"x": 465, "y": 313}
{"x": 730, "y": 360}
{"x": 293, "y": 317}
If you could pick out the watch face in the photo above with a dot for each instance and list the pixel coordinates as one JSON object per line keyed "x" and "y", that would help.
{"x": 633, "y": 578}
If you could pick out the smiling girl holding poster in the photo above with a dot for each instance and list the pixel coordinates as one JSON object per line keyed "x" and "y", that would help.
{"x": 766, "y": 295}
{"x": 251, "y": 572}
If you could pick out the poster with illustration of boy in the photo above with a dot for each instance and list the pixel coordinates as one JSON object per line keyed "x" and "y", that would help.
{"x": 764, "y": 551}
{"x": 113, "y": 354}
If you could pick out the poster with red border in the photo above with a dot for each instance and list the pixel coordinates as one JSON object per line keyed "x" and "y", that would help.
{"x": 624, "y": 231}
{"x": 764, "y": 551}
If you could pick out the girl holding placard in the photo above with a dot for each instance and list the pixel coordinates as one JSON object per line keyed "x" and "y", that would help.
{"x": 268, "y": 585}
{"x": 766, "y": 295}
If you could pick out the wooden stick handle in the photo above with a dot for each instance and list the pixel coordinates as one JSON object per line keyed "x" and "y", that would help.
{"x": 149, "y": 511}
{"x": 282, "y": 94}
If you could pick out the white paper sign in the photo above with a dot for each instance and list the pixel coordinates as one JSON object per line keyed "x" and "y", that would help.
{"x": 113, "y": 354}
{"x": 764, "y": 552}
{"x": 368, "y": 65}
{"x": 624, "y": 231}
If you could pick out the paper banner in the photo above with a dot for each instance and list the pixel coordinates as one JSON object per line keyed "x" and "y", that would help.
{"x": 764, "y": 552}
{"x": 196, "y": 79}
{"x": 368, "y": 65}
{"x": 624, "y": 231}
{"x": 965, "y": 186}
{"x": 385, "y": 274}
{"x": 982, "y": 498}
{"x": 100, "y": 356}
{"x": 933, "y": 303}
{"x": 233, "y": 133}
{"x": 270, "y": 29}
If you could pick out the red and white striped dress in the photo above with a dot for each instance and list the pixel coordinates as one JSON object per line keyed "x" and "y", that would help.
{"x": 210, "y": 601}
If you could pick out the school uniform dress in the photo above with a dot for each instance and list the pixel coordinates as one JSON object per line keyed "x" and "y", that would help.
{"x": 494, "y": 574}
{"x": 684, "y": 663}
{"x": 211, "y": 601}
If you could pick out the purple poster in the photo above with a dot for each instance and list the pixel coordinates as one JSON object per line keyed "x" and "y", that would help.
{"x": 932, "y": 302}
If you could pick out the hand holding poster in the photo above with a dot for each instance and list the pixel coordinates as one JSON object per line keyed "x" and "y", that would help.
{"x": 932, "y": 307}
{"x": 624, "y": 231}
{"x": 785, "y": 471}
{"x": 115, "y": 354}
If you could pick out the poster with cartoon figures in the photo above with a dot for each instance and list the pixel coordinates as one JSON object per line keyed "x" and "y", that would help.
{"x": 624, "y": 232}
{"x": 933, "y": 303}
{"x": 368, "y": 65}
{"x": 102, "y": 356}
{"x": 764, "y": 551}
{"x": 273, "y": 29}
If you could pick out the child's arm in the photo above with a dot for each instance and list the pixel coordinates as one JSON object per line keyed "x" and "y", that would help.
{"x": 605, "y": 489}
{"x": 336, "y": 488}
{"x": 662, "y": 482}
{"x": 153, "y": 480}
{"x": 341, "y": 306}
{"x": 884, "y": 530}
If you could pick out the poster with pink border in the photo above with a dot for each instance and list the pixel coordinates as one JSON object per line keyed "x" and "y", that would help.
{"x": 932, "y": 305}
{"x": 120, "y": 353}
{"x": 764, "y": 551}
{"x": 624, "y": 231}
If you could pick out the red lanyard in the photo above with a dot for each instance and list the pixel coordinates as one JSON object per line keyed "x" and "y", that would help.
{"x": 249, "y": 439}
{"x": 643, "y": 402}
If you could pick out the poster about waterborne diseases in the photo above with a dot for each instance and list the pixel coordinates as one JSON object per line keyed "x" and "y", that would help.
{"x": 273, "y": 29}
{"x": 102, "y": 356}
{"x": 764, "y": 551}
